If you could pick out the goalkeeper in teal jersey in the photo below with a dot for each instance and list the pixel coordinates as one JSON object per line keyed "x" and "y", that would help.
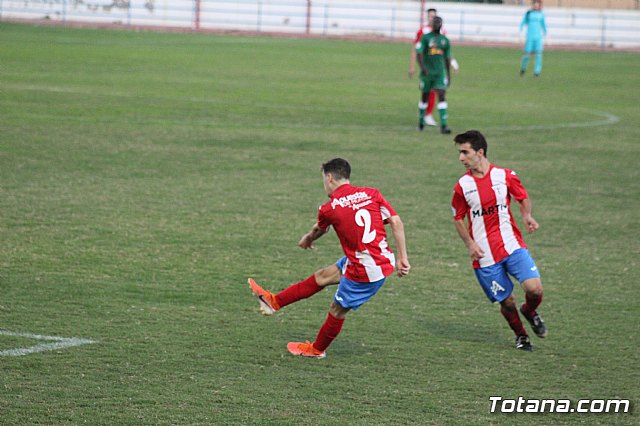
{"x": 434, "y": 53}
{"x": 536, "y": 30}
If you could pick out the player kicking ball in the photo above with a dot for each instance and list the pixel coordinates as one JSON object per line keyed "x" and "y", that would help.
{"x": 358, "y": 215}
{"x": 494, "y": 242}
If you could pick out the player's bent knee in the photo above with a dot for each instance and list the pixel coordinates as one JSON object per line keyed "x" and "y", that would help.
{"x": 533, "y": 286}
{"x": 509, "y": 303}
{"x": 338, "y": 311}
{"x": 327, "y": 276}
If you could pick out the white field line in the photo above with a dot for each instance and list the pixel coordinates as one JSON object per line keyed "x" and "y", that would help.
{"x": 57, "y": 343}
{"x": 603, "y": 118}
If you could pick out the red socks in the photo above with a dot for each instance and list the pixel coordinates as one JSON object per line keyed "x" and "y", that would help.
{"x": 295, "y": 292}
{"x": 432, "y": 102}
{"x": 329, "y": 331}
{"x": 532, "y": 303}
{"x": 513, "y": 319}
{"x": 307, "y": 288}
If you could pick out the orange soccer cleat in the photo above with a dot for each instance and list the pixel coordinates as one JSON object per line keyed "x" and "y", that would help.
{"x": 267, "y": 300}
{"x": 305, "y": 349}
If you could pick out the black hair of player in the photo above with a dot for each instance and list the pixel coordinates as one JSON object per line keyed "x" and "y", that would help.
{"x": 339, "y": 168}
{"x": 432, "y": 10}
{"x": 473, "y": 138}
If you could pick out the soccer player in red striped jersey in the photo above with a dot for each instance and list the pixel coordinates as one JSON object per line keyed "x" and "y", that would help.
{"x": 495, "y": 244}
{"x": 358, "y": 215}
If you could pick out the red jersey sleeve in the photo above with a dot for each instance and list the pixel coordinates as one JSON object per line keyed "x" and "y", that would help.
{"x": 515, "y": 187}
{"x": 459, "y": 203}
{"x": 323, "y": 220}
{"x": 386, "y": 210}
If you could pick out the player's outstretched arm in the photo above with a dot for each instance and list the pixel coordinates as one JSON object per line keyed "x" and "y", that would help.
{"x": 306, "y": 242}
{"x": 475, "y": 252}
{"x": 529, "y": 222}
{"x": 402, "y": 262}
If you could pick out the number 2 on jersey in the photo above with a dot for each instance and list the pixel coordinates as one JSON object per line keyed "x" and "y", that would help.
{"x": 363, "y": 218}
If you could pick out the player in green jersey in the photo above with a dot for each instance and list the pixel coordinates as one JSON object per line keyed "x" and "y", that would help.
{"x": 434, "y": 53}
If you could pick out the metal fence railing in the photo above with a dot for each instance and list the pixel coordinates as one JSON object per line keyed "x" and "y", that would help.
{"x": 398, "y": 19}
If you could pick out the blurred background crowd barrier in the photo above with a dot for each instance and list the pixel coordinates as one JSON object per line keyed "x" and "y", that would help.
{"x": 605, "y": 24}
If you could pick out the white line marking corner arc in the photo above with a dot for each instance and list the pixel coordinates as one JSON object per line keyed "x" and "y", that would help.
{"x": 57, "y": 343}
{"x": 606, "y": 119}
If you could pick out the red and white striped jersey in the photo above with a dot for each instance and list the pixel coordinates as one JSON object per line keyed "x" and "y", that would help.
{"x": 486, "y": 204}
{"x": 358, "y": 216}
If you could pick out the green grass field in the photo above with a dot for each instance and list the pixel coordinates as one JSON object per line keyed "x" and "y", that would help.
{"x": 145, "y": 176}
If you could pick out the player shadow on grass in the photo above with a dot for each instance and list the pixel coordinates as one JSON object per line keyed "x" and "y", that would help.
{"x": 466, "y": 332}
